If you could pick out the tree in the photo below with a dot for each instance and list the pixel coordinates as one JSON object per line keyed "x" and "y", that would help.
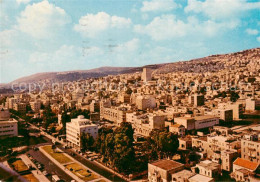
{"x": 53, "y": 129}
{"x": 100, "y": 141}
{"x": 128, "y": 91}
{"x": 48, "y": 116}
{"x": 165, "y": 143}
{"x": 116, "y": 147}
{"x": 87, "y": 141}
{"x": 124, "y": 154}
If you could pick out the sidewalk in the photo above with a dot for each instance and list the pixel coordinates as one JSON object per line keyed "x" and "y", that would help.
{"x": 37, "y": 173}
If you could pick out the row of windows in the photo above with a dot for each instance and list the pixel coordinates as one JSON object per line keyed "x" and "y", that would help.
{"x": 6, "y": 131}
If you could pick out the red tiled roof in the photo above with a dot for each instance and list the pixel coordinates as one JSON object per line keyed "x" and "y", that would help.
{"x": 246, "y": 164}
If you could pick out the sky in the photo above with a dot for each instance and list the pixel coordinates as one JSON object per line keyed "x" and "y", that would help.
{"x": 62, "y": 35}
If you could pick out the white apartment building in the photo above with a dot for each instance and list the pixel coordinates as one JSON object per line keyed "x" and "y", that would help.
{"x": 76, "y": 127}
{"x": 147, "y": 74}
{"x": 209, "y": 168}
{"x": 21, "y": 107}
{"x": 8, "y": 126}
{"x": 113, "y": 113}
{"x": 197, "y": 122}
{"x": 145, "y": 123}
{"x": 236, "y": 107}
{"x": 223, "y": 114}
{"x": 250, "y": 148}
{"x": 10, "y": 102}
{"x": 252, "y": 104}
{"x": 145, "y": 102}
{"x": 36, "y": 106}
{"x": 205, "y": 121}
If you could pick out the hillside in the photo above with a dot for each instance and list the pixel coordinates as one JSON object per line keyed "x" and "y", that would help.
{"x": 211, "y": 63}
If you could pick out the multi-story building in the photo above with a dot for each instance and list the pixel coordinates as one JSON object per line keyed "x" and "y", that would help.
{"x": 145, "y": 102}
{"x": 147, "y": 74}
{"x": 250, "y": 148}
{"x": 223, "y": 114}
{"x": 242, "y": 169}
{"x": 252, "y": 104}
{"x": 94, "y": 106}
{"x": 77, "y": 127}
{"x": 236, "y": 107}
{"x": 177, "y": 129}
{"x": 36, "y": 106}
{"x": 208, "y": 168}
{"x": 145, "y": 123}
{"x": 227, "y": 159}
{"x": 185, "y": 143}
{"x": 114, "y": 114}
{"x": 21, "y": 107}
{"x": 197, "y": 122}
{"x": 10, "y": 102}
{"x": 196, "y": 100}
{"x": 124, "y": 98}
{"x": 8, "y": 126}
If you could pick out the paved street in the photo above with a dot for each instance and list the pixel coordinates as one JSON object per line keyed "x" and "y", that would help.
{"x": 98, "y": 169}
{"x": 50, "y": 167}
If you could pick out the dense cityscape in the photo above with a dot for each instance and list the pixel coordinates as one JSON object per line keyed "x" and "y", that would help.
{"x": 180, "y": 125}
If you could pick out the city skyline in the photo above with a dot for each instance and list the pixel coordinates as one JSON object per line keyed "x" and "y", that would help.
{"x": 42, "y": 36}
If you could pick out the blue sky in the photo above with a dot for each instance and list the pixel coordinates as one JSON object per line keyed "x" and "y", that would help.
{"x": 61, "y": 35}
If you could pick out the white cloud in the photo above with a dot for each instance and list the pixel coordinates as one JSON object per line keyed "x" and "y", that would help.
{"x": 164, "y": 27}
{"x": 258, "y": 39}
{"x": 158, "y": 5}
{"x": 22, "y": 1}
{"x": 64, "y": 55}
{"x": 129, "y": 46}
{"x": 42, "y": 20}
{"x": 221, "y": 9}
{"x": 168, "y": 27}
{"x": 93, "y": 24}
{"x": 252, "y": 31}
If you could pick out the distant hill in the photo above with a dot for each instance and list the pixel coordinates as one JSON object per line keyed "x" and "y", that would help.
{"x": 211, "y": 63}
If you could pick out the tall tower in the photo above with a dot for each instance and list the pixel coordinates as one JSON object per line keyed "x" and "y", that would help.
{"x": 147, "y": 74}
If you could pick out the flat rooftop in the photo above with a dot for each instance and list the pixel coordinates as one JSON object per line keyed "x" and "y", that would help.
{"x": 200, "y": 178}
{"x": 167, "y": 164}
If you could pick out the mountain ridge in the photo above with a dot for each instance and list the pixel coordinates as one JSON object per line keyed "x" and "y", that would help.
{"x": 208, "y": 63}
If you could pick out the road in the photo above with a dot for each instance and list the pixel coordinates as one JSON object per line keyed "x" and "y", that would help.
{"x": 97, "y": 168}
{"x": 50, "y": 167}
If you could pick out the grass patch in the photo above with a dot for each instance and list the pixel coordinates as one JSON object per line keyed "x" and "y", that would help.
{"x": 30, "y": 177}
{"x": 81, "y": 172}
{"x": 19, "y": 166}
{"x": 59, "y": 156}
